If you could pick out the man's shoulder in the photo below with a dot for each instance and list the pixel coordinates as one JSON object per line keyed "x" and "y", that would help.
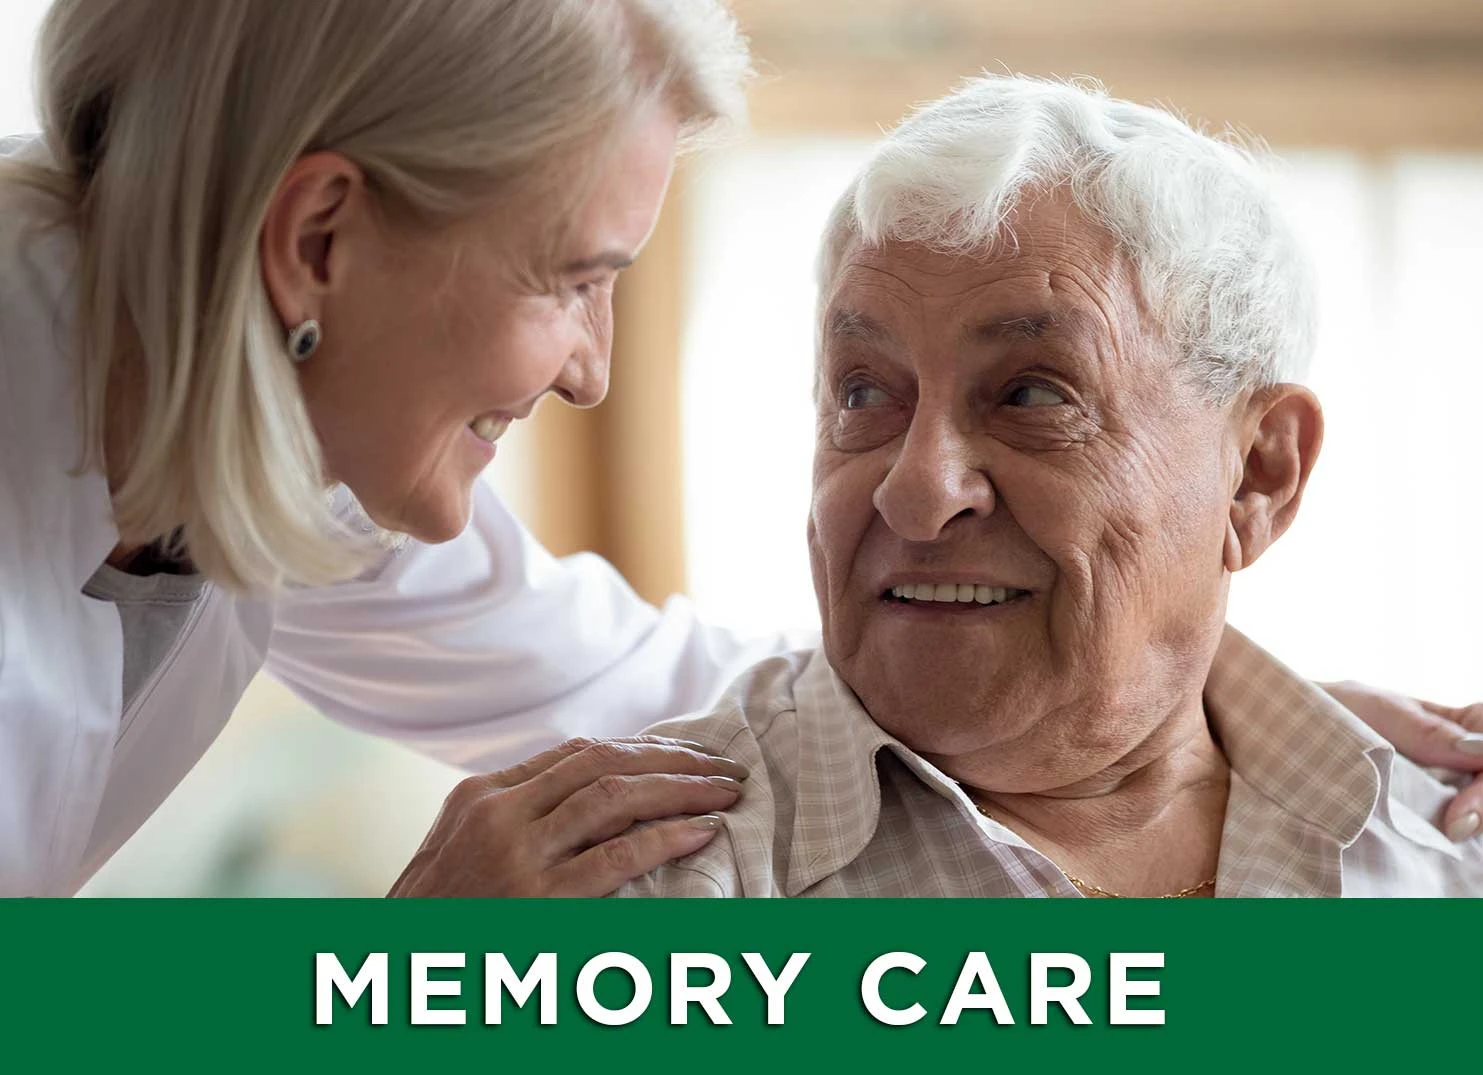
{"x": 753, "y": 723}
{"x": 752, "y": 710}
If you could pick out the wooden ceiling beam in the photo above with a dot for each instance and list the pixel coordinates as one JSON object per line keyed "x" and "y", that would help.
{"x": 925, "y": 21}
{"x": 1333, "y": 103}
{"x": 1356, "y": 73}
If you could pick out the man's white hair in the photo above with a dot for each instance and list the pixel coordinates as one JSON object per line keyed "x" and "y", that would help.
{"x": 1194, "y": 213}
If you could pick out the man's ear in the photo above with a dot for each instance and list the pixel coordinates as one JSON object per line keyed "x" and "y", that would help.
{"x": 296, "y": 247}
{"x": 1282, "y": 434}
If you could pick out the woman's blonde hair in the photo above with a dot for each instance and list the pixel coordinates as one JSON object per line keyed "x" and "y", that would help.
{"x": 170, "y": 124}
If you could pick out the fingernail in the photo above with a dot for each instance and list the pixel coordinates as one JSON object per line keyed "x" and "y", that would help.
{"x": 726, "y": 782}
{"x": 706, "y": 821}
{"x": 693, "y": 745}
{"x": 1464, "y": 828}
{"x": 1472, "y": 743}
{"x": 732, "y": 768}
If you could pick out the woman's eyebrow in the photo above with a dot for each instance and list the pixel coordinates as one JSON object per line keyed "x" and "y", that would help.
{"x": 610, "y": 259}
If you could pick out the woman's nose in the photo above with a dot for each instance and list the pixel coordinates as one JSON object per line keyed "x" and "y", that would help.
{"x": 583, "y": 380}
{"x": 933, "y": 480}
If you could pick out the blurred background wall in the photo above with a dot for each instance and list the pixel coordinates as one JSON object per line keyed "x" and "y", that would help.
{"x": 1376, "y": 107}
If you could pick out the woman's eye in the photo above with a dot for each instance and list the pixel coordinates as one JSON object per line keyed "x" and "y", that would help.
{"x": 586, "y": 290}
{"x": 863, "y": 395}
{"x": 1035, "y": 395}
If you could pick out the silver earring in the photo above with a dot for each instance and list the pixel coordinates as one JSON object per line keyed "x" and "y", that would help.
{"x": 304, "y": 340}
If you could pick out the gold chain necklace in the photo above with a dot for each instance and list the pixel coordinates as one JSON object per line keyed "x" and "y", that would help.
{"x": 1091, "y": 889}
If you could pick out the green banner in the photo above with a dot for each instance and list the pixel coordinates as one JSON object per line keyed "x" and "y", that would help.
{"x": 262, "y": 986}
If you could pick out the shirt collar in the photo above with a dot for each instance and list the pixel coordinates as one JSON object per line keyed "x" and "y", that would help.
{"x": 1298, "y": 747}
{"x": 839, "y": 753}
{"x": 837, "y": 750}
{"x": 1293, "y": 743}
{"x": 1288, "y": 740}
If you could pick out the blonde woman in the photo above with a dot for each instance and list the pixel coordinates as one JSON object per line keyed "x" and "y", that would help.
{"x": 272, "y": 284}
{"x": 268, "y": 248}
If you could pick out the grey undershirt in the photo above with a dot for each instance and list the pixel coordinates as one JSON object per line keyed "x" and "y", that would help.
{"x": 153, "y": 610}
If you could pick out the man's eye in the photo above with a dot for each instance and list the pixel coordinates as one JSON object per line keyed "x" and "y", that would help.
{"x": 1035, "y": 395}
{"x": 863, "y": 395}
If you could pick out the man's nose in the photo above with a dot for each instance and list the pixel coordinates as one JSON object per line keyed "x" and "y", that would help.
{"x": 934, "y": 479}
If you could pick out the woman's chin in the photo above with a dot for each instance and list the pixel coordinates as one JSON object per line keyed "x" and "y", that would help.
{"x": 429, "y": 523}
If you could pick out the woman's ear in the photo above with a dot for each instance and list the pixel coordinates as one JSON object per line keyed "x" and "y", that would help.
{"x": 297, "y": 245}
{"x": 1283, "y": 432}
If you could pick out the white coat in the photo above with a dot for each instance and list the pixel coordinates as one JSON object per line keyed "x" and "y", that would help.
{"x": 480, "y": 651}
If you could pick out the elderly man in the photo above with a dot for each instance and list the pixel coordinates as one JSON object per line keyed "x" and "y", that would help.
{"x": 1054, "y": 419}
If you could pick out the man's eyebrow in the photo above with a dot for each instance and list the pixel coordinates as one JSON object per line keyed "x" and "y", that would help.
{"x": 609, "y": 259}
{"x": 853, "y": 325}
{"x": 1024, "y": 327}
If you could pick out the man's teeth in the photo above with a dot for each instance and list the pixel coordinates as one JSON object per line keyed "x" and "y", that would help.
{"x": 490, "y": 429}
{"x": 961, "y": 592}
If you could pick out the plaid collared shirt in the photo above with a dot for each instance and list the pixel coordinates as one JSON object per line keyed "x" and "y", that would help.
{"x": 1319, "y": 805}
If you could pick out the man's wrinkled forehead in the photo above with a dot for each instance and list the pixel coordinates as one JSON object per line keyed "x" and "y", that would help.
{"x": 1062, "y": 285}
{"x": 1027, "y": 322}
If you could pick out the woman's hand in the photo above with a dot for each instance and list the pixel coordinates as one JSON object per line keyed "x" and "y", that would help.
{"x": 563, "y": 823}
{"x": 1428, "y": 734}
